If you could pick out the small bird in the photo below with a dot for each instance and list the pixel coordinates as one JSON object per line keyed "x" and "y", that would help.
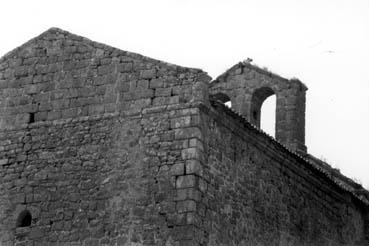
{"x": 248, "y": 60}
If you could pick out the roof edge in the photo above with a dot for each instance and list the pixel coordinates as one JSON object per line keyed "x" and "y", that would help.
{"x": 247, "y": 64}
{"x": 30, "y": 41}
{"x": 358, "y": 194}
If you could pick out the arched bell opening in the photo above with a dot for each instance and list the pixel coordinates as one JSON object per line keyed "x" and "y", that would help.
{"x": 268, "y": 115}
{"x": 257, "y": 100}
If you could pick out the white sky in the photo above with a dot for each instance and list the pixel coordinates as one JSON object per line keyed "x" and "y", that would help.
{"x": 323, "y": 43}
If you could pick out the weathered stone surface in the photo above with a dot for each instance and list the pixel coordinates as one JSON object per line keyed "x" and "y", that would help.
{"x": 258, "y": 195}
{"x": 106, "y": 147}
{"x": 98, "y": 158}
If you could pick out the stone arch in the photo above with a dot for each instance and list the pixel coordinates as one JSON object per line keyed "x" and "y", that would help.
{"x": 257, "y": 99}
{"x": 248, "y": 86}
{"x": 24, "y": 219}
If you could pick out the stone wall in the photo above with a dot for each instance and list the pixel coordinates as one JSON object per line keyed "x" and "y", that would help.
{"x": 59, "y": 75}
{"x": 258, "y": 193}
{"x": 94, "y": 144}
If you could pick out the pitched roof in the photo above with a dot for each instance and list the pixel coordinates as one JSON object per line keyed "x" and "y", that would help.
{"x": 343, "y": 182}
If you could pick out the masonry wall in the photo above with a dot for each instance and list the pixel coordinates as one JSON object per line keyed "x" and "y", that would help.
{"x": 259, "y": 194}
{"x": 94, "y": 143}
{"x": 59, "y": 75}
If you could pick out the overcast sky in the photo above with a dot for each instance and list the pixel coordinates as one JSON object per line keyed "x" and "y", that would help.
{"x": 323, "y": 43}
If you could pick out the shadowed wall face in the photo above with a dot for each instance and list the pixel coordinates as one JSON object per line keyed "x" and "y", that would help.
{"x": 248, "y": 87}
{"x": 256, "y": 195}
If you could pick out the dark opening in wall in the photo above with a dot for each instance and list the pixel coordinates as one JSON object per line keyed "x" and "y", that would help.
{"x": 223, "y": 98}
{"x": 31, "y": 118}
{"x": 255, "y": 115}
{"x": 24, "y": 219}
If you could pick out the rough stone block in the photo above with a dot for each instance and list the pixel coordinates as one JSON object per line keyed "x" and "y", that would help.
{"x": 96, "y": 109}
{"x": 125, "y": 67}
{"x": 188, "y": 194}
{"x": 194, "y": 167}
{"x": 53, "y": 115}
{"x": 36, "y": 233}
{"x": 177, "y": 169}
{"x": 186, "y": 181}
{"x": 189, "y": 132}
{"x": 156, "y": 83}
{"x": 69, "y": 113}
{"x": 40, "y": 116}
{"x": 190, "y": 153}
{"x": 186, "y": 206}
{"x": 163, "y": 92}
{"x": 142, "y": 84}
{"x": 148, "y": 74}
{"x": 184, "y": 121}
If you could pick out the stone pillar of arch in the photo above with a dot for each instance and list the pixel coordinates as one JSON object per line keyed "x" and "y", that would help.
{"x": 366, "y": 226}
{"x": 248, "y": 86}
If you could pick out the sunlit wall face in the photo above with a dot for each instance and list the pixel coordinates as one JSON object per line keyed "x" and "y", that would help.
{"x": 323, "y": 43}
